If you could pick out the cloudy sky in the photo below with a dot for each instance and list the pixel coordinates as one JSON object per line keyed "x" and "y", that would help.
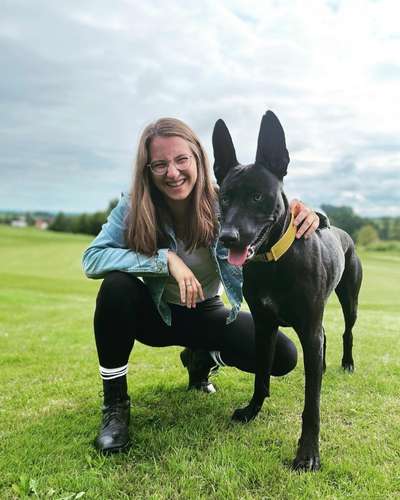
{"x": 80, "y": 80}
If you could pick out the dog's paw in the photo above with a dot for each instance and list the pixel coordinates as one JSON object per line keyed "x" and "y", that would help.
{"x": 247, "y": 414}
{"x": 348, "y": 366}
{"x": 306, "y": 464}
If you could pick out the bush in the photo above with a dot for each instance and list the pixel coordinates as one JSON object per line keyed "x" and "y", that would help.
{"x": 384, "y": 246}
{"x": 367, "y": 235}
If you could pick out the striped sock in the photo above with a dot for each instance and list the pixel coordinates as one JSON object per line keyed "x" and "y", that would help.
{"x": 216, "y": 356}
{"x": 112, "y": 373}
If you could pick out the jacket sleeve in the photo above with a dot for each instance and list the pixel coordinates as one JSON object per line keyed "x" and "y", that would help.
{"x": 109, "y": 252}
{"x": 324, "y": 222}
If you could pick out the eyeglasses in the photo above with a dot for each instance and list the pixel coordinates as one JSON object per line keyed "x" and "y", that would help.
{"x": 160, "y": 167}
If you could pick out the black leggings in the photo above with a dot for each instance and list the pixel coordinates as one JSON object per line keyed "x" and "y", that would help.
{"x": 125, "y": 312}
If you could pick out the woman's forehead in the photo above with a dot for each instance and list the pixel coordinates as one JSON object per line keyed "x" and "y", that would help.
{"x": 168, "y": 146}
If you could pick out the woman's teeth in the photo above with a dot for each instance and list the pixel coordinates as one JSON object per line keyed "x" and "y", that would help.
{"x": 175, "y": 184}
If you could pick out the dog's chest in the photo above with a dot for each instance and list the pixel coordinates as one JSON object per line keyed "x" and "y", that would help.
{"x": 264, "y": 286}
{"x": 273, "y": 305}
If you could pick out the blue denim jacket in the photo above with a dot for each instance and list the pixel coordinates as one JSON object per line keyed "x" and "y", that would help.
{"x": 109, "y": 252}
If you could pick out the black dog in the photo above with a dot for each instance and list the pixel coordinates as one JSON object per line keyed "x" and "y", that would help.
{"x": 292, "y": 290}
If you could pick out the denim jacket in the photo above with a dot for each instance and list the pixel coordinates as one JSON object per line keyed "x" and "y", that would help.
{"x": 109, "y": 252}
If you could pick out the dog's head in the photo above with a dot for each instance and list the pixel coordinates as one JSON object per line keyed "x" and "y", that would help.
{"x": 250, "y": 195}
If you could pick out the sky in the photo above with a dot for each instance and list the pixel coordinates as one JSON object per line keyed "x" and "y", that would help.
{"x": 81, "y": 79}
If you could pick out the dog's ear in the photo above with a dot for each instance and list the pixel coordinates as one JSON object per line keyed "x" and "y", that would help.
{"x": 271, "y": 146}
{"x": 224, "y": 151}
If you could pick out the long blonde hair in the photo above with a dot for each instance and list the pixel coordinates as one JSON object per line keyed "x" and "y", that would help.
{"x": 149, "y": 214}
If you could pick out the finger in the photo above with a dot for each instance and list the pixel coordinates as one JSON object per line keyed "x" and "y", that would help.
{"x": 200, "y": 290}
{"x": 307, "y": 222}
{"x": 311, "y": 230}
{"x": 192, "y": 294}
{"x": 302, "y": 215}
{"x": 182, "y": 290}
{"x": 299, "y": 210}
{"x": 188, "y": 292}
{"x": 295, "y": 206}
{"x": 195, "y": 293}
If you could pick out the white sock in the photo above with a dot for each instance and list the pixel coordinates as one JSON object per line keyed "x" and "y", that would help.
{"x": 216, "y": 356}
{"x": 111, "y": 373}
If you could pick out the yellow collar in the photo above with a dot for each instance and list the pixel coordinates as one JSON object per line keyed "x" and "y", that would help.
{"x": 281, "y": 246}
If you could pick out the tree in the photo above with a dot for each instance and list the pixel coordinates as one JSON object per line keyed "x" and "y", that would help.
{"x": 394, "y": 233}
{"x": 30, "y": 220}
{"x": 61, "y": 223}
{"x": 366, "y": 235}
{"x": 345, "y": 218}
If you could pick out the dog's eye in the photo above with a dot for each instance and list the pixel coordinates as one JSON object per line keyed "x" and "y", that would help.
{"x": 224, "y": 200}
{"x": 257, "y": 197}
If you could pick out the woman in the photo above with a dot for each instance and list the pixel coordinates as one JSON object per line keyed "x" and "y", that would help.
{"x": 165, "y": 232}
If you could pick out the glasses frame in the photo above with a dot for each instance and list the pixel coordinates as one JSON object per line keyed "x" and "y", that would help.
{"x": 167, "y": 163}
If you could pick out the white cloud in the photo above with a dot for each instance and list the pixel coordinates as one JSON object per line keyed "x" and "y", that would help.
{"x": 82, "y": 80}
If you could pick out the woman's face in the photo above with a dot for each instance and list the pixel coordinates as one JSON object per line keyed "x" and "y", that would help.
{"x": 174, "y": 184}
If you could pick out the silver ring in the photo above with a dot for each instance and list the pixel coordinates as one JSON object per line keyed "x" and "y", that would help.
{"x": 188, "y": 284}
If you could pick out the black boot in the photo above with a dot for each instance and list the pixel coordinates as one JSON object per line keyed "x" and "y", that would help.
{"x": 199, "y": 364}
{"x": 114, "y": 432}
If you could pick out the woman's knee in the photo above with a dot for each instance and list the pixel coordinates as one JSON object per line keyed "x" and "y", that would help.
{"x": 118, "y": 287}
{"x": 285, "y": 356}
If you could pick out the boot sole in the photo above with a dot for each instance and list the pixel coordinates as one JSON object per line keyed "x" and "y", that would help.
{"x": 116, "y": 449}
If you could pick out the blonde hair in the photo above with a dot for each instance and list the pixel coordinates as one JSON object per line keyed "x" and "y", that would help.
{"x": 149, "y": 214}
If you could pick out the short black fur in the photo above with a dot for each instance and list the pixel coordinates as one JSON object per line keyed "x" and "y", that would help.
{"x": 293, "y": 290}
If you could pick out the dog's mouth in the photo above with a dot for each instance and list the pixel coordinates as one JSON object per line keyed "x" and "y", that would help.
{"x": 237, "y": 256}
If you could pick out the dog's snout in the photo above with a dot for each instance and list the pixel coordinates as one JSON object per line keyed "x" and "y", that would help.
{"x": 229, "y": 236}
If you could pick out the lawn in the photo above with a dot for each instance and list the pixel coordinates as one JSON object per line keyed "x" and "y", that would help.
{"x": 185, "y": 445}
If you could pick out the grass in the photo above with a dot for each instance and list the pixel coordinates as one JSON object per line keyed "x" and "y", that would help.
{"x": 185, "y": 445}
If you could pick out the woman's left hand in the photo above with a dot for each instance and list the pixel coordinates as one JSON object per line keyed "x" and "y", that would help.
{"x": 305, "y": 219}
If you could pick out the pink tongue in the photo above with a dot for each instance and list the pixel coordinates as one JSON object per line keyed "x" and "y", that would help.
{"x": 237, "y": 256}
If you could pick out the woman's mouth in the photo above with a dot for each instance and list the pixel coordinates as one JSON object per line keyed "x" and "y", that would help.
{"x": 176, "y": 184}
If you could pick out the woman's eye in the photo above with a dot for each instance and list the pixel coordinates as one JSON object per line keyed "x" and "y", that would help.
{"x": 257, "y": 197}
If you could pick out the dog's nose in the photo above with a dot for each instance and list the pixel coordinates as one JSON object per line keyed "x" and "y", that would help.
{"x": 229, "y": 236}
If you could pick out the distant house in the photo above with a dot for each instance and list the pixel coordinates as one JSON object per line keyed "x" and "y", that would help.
{"x": 20, "y": 222}
{"x": 41, "y": 224}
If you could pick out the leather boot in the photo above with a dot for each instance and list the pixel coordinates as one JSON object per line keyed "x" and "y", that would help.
{"x": 199, "y": 364}
{"x": 114, "y": 432}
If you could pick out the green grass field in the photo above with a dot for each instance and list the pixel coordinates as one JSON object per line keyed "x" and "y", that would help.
{"x": 185, "y": 445}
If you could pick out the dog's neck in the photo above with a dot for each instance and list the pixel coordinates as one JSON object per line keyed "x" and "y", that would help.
{"x": 280, "y": 225}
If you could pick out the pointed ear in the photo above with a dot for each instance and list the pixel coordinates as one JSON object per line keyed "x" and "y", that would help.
{"x": 224, "y": 151}
{"x": 271, "y": 146}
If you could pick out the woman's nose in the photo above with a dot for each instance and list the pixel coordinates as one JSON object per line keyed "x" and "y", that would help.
{"x": 172, "y": 171}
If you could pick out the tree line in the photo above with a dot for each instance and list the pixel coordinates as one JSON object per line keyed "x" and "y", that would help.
{"x": 363, "y": 230}
{"x": 82, "y": 223}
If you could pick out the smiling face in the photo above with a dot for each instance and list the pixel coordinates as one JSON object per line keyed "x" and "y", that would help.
{"x": 175, "y": 185}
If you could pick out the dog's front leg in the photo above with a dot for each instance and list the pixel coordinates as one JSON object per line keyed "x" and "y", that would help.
{"x": 307, "y": 457}
{"x": 265, "y": 340}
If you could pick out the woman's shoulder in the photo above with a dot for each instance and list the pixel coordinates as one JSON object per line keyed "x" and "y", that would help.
{"x": 124, "y": 201}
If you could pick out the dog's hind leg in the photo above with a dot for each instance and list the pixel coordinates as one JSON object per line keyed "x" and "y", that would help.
{"x": 324, "y": 352}
{"x": 347, "y": 291}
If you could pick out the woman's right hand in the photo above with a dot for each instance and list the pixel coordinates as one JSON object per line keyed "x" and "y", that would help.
{"x": 189, "y": 287}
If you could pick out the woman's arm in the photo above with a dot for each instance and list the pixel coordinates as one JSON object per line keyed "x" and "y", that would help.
{"x": 108, "y": 251}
